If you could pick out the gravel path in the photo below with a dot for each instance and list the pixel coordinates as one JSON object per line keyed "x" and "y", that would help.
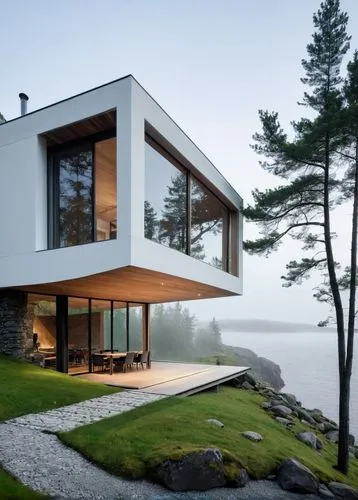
{"x": 34, "y": 455}
{"x": 87, "y": 412}
{"x": 43, "y": 463}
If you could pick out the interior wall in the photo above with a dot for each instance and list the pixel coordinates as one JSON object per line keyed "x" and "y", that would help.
{"x": 78, "y": 331}
{"x": 45, "y": 327}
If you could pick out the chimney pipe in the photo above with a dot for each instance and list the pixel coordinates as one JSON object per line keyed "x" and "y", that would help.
{"x": 23, "y": 100}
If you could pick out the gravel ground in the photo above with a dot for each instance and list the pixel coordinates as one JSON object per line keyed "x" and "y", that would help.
{"x": 43, "y": 463}
{"x": 33, "y": 454}
{"x": 87, "y": 412}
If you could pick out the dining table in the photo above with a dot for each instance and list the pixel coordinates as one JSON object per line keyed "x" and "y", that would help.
{"x": 112, "y": 356}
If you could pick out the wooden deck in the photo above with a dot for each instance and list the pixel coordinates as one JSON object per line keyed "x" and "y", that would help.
{"x": 170, "y": 379}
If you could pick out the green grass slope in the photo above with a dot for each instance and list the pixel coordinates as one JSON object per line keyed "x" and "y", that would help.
{"x": 134, "y": 443}
{"x": 11, "y": 489}
{"x": 26, "y": 388}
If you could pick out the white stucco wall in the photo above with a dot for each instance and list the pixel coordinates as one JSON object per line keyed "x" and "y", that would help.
{"x": 24, "y": 258}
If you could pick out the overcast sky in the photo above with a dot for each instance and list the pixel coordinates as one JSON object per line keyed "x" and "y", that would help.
{"x": 210, "y": 64}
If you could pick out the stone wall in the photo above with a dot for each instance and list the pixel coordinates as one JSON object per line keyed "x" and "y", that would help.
{"x": 15, "y": 324}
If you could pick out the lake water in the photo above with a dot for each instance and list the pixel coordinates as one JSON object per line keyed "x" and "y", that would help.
{"x": 309, "y": 366}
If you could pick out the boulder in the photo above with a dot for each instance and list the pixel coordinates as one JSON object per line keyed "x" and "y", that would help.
{"x": 282, "y": 411}
{"x": 285, "y": 421}
{"x": 343, "y": 491}
{"x": 290, "y": 398}
{"x": 200, "y": 471}
{"x": 324, "y": 492}
{"x": 213, "y": 421}
{"x": 240, "y": 480}
{"x": 247, "y": 386}
{"x": 319, "y": 443}
{"x": 305, "y": 422}
{"x": 253, "y": 436}
{"x": 294, "y": 476}
{"x": 266, "y": 405}
{"x": 308, "y": 438}
{"x": 251, "y": 379}
{"x": 277, "y": 402}
{"x": 333, "y": 437}
{"x": 320, "y": 427}
{"x": 303, "y": 414}
{"x": 329, "y": 426}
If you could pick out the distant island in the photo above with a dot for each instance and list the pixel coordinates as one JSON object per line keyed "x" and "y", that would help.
{"x": 266, "y": 326}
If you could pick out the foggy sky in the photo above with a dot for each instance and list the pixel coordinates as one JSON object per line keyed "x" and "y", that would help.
{"x": 211, "y": 65}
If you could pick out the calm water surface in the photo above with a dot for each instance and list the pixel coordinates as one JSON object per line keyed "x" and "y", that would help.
{"x": 309, "y": 367}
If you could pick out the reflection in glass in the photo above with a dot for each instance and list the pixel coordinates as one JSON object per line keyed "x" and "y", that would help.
{"x": 120, "y": 326}
{"x": 106, "y": 189}
{"x": 42, "y": 311}
{"x": 209, "y": 224}
{"x": 75, "y": 204}
{"x": 100, "y": 325}
{"x": 135, "y": 327}
{"x": 166, "y": 205}
{"x": 78, "y": 319}
{"x": 165, "y": 218}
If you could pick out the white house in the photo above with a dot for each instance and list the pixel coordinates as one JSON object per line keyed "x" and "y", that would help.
{"x": 106, "y": 207}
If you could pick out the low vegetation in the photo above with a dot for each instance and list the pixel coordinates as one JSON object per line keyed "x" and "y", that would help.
{"x": 10, "y": 488}
{"x": 26, "y": 388}
{"x": 135, "y": 443}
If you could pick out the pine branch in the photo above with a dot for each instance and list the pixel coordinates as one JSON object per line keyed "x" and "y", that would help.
{"x": 297, "y": 271}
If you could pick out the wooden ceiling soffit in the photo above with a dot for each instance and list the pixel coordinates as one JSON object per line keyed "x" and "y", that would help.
{"x": 131, "y": 284}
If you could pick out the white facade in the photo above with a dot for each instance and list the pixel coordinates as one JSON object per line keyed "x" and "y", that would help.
{"x": 25, "y": 259}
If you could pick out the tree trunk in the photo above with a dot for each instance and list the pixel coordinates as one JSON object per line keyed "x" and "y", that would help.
{"x": 343, "y": 456}
{"x": 343, "y": 448}
{"x": 343, "y": 435}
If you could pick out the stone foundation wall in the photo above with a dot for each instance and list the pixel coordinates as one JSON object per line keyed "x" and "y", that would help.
{"x": 15, "y": 324}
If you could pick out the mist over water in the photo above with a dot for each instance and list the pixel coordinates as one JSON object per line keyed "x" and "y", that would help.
{"x": 309, "y": 365}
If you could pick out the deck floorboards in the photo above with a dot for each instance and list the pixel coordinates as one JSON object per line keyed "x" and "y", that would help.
{"x": 169, "y": 378}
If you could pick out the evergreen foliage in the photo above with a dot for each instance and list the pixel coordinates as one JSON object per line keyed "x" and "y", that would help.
{"x": 319, "y": 172}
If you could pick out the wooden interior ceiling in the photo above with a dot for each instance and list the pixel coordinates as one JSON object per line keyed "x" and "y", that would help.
{"x": 131, "y": 284}
{"x": 106, "y": 179}
{"x": 98, "y": 123}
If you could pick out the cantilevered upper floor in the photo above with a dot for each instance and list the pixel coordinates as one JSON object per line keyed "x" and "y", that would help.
{"x": 102, "y": 195}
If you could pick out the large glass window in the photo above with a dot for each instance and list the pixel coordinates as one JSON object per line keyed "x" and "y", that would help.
{"x": 105, "y": 189}
{"x": 165, "y": 214}
{"x": 42, "y": 309}
{"x": 78, "y": 323}
{"x": 182, "y": 213}
{"x": 120, "y": 326}
{"x": 84, "y": 193}
{"x": 74, "y": 170}
{"x": 136, "y": 327}
{"x": 209, "y": 226}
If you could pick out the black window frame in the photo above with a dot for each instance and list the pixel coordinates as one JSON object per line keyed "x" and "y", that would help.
{"x": 53, "y": 236}
{"x": 227, "y": 258}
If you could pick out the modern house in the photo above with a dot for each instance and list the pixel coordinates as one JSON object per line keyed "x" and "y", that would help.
{"x": 106, "y": 207}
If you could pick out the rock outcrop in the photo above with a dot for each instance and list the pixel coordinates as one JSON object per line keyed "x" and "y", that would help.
{"x": 262, "y": 368}
{"x": 200, "y": 471}
{"x": 294, "y": 476}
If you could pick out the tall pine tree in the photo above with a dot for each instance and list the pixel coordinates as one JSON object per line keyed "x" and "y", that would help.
{"x": 312, "y": 166}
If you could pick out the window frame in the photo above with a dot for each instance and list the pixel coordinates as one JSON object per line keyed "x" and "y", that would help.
{"x": 229, "y": 257}
{"x": 54, "y": 152}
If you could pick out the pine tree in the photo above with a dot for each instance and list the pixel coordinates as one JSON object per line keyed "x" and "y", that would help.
{"x": 150, "y": 222}
{"x": 174, "y": 218}
{"x": 312, "y": 166}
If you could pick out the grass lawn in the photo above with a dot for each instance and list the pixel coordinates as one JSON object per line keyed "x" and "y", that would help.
{"x": 10, "y": 488}
{"x": 132, "y": 444}
{"x": 26, "y": 388}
